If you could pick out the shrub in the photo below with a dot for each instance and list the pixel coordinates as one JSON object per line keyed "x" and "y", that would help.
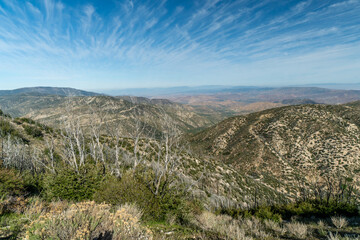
{"x": 321, "y": 228}
{"x": 337, "y": 236}
{"x": 70, "y": 185}
{"x": 28, "y": 120}
{"x": 223, "y": 225}
{"x": 7, "y": 128}
{"x": 339, "y": 222}
{"x": 36, "y": 206}
{"x": 274, "y": 227}
{"x": 307, "y": 209}
{"x": 128, "y": 190}
{"x": 297, "y": 229}
{"x": 316, "y": 208}
{"x": 333, "y": 237}
{"x": 33, "y": 131}
{"x": 267, "y": 213}
{"x": 33, "y": 182}
{"x": 10, "y": 183}
{"x": 133, "y": 189}
{"x": 12, "y": 205}
{"x": 88, "y": 220}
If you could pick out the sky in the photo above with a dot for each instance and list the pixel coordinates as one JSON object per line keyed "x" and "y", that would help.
{"x": 110, "y": 44}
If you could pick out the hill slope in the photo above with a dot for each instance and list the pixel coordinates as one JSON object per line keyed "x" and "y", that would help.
{"x": 284, "y": 146}
{"x": 26, "y": 145}
{"x": 50, "y": 109}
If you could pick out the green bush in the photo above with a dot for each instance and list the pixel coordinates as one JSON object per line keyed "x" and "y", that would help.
{"x": 33, "y": 131}
{"x": 133, "y": 189}
{"x": 7, "y": 129}
{"x": 128, "y": 189}
{"x": 267, "y": 213}
{"x": 67, "y": 184}
{"x": 316, "y": 208}
{"x": 27, "y": 120}
{"x": 33, "y": 182}
{"x": 10, "y": 183}
{"x": 307, "y": 209}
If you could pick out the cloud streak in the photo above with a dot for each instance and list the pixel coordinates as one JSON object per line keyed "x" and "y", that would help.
{"x": 137, "y": 43}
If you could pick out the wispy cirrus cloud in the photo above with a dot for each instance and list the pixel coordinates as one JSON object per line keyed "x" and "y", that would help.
{"x": 136, "y": 43}
{"x": 33, "y": 9}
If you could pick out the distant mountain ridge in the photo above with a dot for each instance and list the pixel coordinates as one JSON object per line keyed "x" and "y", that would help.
{"x": 181, "y": 90}
{"x": 50, "y": 109}
{"x": 251, "y": 95}
{"x": 48, "y": 91}
{"x": 240, "y": 101}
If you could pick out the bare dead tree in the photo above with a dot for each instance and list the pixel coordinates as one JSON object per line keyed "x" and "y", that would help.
{"x": 114, "y": 130}
{"x": 16, "y": 154}
{"x": 137, "y": 133}
{"x": 39, "y": 161}
{"x": 97, "y": 122}
{"x": 169, "y": 153}
{"x": 73, "y": 139}
{"x": 51, "y": 152}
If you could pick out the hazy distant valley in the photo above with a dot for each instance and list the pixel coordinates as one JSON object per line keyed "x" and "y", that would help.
{"x": 246, "y": 100}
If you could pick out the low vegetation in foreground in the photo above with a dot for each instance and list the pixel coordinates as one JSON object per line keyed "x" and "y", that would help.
{"x": 96, "y": 206}
{"x": 133, "y": 213}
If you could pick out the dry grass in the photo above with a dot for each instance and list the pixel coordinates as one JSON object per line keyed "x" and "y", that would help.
{"x": 339, "y": 222}
{"x": 12, "y": 204}
{"x": 86, "y": 220}
{"x": 133, "y": 210}
{"x": 297, "y": 229}
{"x": 274, "y": 227}
{"x": 322, "y": 228}
{"x": 254, "y": 227}
{"x": 338, "y": 237}
{"x": 222, "y": 224}
{"x": 321, "y": 224}
{"x": 38, "y": 207}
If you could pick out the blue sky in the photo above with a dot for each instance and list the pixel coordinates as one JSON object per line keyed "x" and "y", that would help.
{"x": 105, "y": 44}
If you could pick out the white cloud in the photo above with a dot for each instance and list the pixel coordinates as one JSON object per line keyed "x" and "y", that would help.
{"x": 2, "y": 10}
{"x": 222, "y": 38}
{"x": 49, "y": 8}
{"x": 344, "y": 4}
{"x": 89, "y": 10}
{"x": 33, "y": 9}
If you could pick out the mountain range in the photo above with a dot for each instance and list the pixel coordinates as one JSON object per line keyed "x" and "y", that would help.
{"x": 51, "y": 109}
{"x": 48, "y": 91}
{"x": 277, "y": 153}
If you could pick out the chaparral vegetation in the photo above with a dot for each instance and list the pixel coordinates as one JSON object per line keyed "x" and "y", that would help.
{"x": 99, "y": 179}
